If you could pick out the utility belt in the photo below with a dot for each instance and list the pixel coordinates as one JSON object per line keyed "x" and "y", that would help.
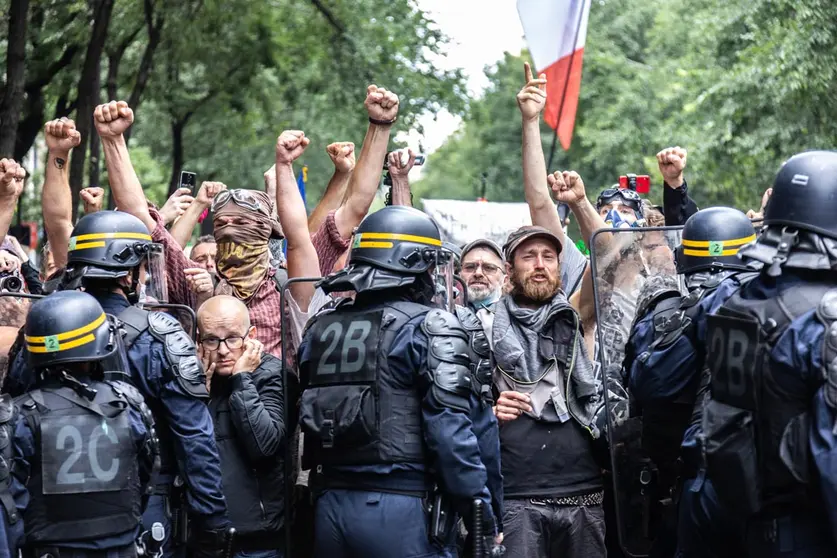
{"x": 128, "y": 551}
{"x": 406, "y": 483}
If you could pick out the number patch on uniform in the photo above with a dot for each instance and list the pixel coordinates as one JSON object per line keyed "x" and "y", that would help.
{"x": 344, "y": 348}
{"x": 732, "y": 345}
{"x": 85, "y": 453}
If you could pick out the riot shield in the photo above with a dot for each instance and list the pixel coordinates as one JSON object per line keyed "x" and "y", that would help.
{"x": 628, "y": 266}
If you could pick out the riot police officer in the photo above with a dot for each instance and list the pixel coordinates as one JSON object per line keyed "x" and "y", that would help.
{"x": 388, "y": 401}
{"x": 111, "y": 256}
{"x": 769, "y": 423}
{"x": 84, "y": 447}
{"x": 662, "y": 379}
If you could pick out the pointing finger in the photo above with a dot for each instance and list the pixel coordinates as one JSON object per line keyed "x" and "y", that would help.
{"x": 527, "y": 72}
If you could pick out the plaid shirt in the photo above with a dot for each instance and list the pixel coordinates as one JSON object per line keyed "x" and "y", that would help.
{"x": 264, "y": 305}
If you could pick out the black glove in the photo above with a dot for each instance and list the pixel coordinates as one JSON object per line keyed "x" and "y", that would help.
{"x": 210, "y": 543}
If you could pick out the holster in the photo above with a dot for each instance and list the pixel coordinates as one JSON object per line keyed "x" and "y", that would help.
{"x": 441, "y": 517}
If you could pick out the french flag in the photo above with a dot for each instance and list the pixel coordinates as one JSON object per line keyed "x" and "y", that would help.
{"x": 555, "y": 32}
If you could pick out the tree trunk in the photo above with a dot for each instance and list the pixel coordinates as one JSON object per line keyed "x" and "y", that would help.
{"x": 93, "y": 169}
{"x": 177, "y": 127}
{"x": 88, "y": 94}
{"x": 12, "y": 101}
{"x": 144, "y": 73}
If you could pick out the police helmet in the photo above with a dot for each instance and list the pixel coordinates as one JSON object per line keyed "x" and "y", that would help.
{"x": 711, "y": 240}
{"x": 805, "y": 193}
{"x": 397, "y": 238}
{"x": 108, "y": 244}
{"x": 67, "y": 326}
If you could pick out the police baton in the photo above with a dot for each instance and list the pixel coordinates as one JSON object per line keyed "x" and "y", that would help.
{"x": 477, "y": 534}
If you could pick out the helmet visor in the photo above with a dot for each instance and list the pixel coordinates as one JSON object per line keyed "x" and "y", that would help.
{"x": 444, "y": 279}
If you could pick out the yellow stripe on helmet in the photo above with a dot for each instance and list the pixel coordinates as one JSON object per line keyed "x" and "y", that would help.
{"x": 725, "y": 243}
{"x": 69, "y": 334}
{"x": 56, "y": 347}
{"x": 374, "y": 245}
{"x": 405, "y": 237}
{"x": 113, "y": 235}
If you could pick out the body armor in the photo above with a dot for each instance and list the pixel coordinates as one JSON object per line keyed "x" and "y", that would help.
{"x": 8, "y": 417}
{"x": 755, "y": 426}
{"x": 84, "y": 479}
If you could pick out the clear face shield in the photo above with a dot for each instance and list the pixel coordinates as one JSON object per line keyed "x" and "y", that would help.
{"x": 444, "y": 277}
{"x": 152, "y": 287}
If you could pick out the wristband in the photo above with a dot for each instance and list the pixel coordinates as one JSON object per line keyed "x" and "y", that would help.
{"x": 382, "y": 122}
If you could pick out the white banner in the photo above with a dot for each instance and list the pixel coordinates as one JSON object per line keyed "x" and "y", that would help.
{"x": 464, "y": 221}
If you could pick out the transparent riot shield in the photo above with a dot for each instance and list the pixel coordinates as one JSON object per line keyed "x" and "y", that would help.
{"x": 628, "y": 265}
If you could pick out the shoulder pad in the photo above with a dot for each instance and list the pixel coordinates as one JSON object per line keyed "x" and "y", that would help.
{"x": 181, "y": 353}
{"x": 440, "y": 322}
{"x": 713, "y": 281}
{"x": 692, "y": 298}
{"x": 827, "y": 314}
{"x": 7, "y": 408}
{"x": 479, "y": 341}
{"x": 652, "y": 302}
{"x": 162, "y": 324}
{"x": 448, "y": 359}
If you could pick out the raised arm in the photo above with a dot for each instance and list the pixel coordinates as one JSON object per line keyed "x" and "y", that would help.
{"x": 111, "y": 122}
{"x": 302, "y": 257}
{"x": 382, "y": 107}
{"x": 531, "y": 101}
{"x": 61, "y": 137}
{"x": 568, "y": 188}
{"x": 11, "y": 185}
{"x": 92, "y": 198}
{"x": 400, "y": 193}
{"x": 343, "y": 156}
{"x": 677, "y": 205}
{"x": 192, "y": 209}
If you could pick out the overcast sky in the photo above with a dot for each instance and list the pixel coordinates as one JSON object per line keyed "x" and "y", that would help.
{"x": 480, "y": 31}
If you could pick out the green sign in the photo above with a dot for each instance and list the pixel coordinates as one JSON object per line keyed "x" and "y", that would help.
{"x": 716, "y": 248}
{"x": 51, "y": 343}
{"x": 73, "y": 243}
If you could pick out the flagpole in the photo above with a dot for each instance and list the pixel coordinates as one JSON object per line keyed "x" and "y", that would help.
{"x": 566, "y": 84}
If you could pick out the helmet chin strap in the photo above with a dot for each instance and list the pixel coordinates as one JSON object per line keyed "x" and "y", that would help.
{"x": 131, "y": 292}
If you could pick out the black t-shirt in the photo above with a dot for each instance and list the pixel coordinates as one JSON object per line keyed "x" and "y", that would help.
{"x": 547, "y": 459}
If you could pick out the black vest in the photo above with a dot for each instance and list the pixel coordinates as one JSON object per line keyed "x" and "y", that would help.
{"x": 352, "y": 410}
{"x": 84, "y": 479}
{"x": 755, "y": 428}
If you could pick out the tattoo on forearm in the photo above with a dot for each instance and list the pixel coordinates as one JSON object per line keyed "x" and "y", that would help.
{"x": 59, "y": 162}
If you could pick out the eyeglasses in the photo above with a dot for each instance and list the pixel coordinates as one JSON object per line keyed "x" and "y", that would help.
{"x": 232, "y": 343}
{"x": 629, "y": 197}
{"x": 487, "y": 268}
{"x": 241, "y": 198}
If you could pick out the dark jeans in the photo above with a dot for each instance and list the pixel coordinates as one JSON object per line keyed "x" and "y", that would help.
{"x": 357, "y": 524}
{"x": 549, "y": 531}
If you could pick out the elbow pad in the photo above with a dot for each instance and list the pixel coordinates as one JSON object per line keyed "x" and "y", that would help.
{"x": 448, "y": 360}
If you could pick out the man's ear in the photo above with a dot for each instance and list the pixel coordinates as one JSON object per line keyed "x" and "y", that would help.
{"x": 251, "y": 333}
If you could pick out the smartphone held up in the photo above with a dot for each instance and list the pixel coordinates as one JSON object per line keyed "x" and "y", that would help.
{"x": 189, "y": 180}
{"x": 641, "y": 184}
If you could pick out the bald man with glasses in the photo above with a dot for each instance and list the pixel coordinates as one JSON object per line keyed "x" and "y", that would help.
{"x": 246, "y": 401}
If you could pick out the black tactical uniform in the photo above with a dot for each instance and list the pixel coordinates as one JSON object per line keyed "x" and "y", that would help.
{"x": 84, "y": 446}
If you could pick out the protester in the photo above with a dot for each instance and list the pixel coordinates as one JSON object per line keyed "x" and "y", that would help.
{"x": 205, "y": 252}
{"x": 342, "y": 154}
{"x": 400, "y": 193}
{"x": 246, "y": 400}
{"x": 677, "y": 204}
{"x": 483, "y": 272}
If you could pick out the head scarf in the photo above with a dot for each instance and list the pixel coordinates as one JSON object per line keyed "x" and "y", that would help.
{"x": 243, "y": 259}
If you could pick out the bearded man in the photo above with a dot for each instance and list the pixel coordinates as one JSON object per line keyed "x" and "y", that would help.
{"x": 548, "y": 396}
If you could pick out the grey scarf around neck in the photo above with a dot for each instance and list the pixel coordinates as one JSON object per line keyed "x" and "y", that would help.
{"x": 529, "y": 344}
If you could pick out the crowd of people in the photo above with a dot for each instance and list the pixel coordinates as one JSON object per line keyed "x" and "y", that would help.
{"x": 674, "y": 394}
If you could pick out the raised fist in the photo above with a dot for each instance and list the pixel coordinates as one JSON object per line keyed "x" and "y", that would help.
{"x": 92, "y": 198}
{"x": 342, "y": 155}
{"x": 176, "y": 205}
{"x": 208, "y": 192}
{"x": 394, "y": 160}
{"x": 381, "y": 104}
{"x": 290, "y": 145}
{"x": 112, "y": 119}
{"x": 11, "y": 178}
{"x": 567, "y": 187}
{"x": 61, "y": 135}
{"x": 764, "y": 199}
{"x": 532, "y": 98}
{"x": 672, "y": 161}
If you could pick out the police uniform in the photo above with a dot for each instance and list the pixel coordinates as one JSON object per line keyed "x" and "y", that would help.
{"x": 13, "y": 495}
{"x": 769, "y": 423}
{"x": 162, "y": 363}
{"x": 663, "y": 375}
{"x": 84, "y": 447}
{"x": 391, "y": 403}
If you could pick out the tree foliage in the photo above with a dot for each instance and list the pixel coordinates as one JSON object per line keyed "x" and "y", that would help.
{"x": 742, "y": 84}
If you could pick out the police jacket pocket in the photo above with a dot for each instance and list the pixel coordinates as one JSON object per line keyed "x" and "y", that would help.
{"x": 731, "y": 456}
{"x": 339, "y": 417}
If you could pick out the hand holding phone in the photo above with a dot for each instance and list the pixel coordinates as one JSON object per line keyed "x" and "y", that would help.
{"x": 189, "y": 180}
{"x": 641, "y": 184}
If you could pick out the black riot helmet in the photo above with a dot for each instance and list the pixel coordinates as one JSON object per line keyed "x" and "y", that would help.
{"x": 397, "y": 238}
{"x": 65, "y": 327}
{"x": 805, "y": 194}
{"x": 108, "y": 244}
{"x": 711, "y": 240}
